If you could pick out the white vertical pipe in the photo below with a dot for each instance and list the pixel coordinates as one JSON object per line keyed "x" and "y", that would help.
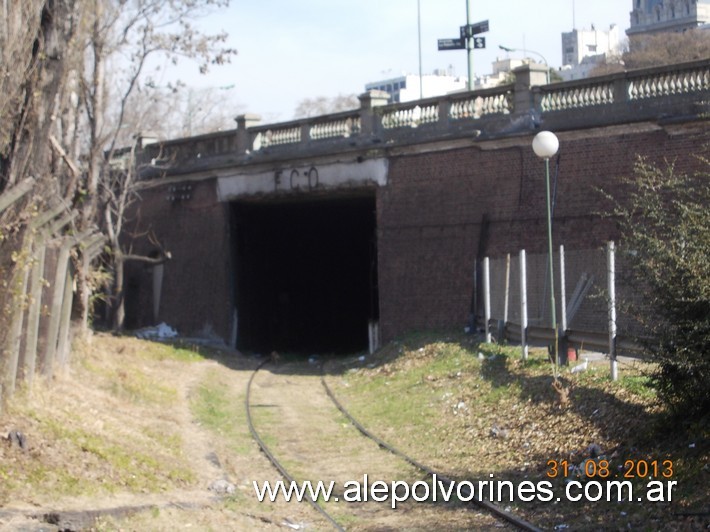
{"x": 523, "y": 306}
{"x": 611, "y": 267}
{"x": 376, "y": 329}
{"x": 563, "y": 292}
{"x": 507, "y": 288}
{"x": 487, "y": 297}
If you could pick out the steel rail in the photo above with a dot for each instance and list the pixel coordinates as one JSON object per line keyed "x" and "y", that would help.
{"x": 267, "y": 452}
{"x": 487, "y": 505}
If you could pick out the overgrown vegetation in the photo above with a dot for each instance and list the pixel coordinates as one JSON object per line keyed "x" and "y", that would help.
{"x": 99, "y": 433}
{"x": 665, "y": 222}
{"x": 482, "y": 410}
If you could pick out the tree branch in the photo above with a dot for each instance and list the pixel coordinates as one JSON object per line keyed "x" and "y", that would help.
{"x": 142, "y": 258}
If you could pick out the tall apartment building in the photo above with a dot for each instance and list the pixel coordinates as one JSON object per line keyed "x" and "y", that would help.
{"x": 580, "y": 44}
{"x": 583, "y": 49}
{"x": 654, "y": 16}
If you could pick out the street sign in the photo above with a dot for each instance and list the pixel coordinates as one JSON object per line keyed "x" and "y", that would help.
{"x": 451, "y": 44}
{"x": 479, "y": 42}
{"x": 470, "y": 30}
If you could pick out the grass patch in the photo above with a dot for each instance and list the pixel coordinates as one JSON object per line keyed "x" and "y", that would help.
{"x": 104, "y": 429}
{"x": 639, "y": 385}
{"x": 473, "y": 410}
{"x": 133, "y": 385}
{"x": 221, "y": 410}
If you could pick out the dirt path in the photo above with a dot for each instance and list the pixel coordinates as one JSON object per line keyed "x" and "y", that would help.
{"x": 291, "y": 409}
{"x": 315, "y": 442}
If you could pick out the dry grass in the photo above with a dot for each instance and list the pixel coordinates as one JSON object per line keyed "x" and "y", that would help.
{"x": 108, "y": 426}
{"x": 472, "y": 415}
{"x": 134, "y": 423}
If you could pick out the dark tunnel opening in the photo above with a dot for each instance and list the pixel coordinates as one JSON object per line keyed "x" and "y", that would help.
{"x": 306, "y": 274}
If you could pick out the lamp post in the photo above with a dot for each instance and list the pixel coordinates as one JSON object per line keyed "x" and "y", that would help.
{"x": 545, "y": 145}
{"x": 547, "y": 72}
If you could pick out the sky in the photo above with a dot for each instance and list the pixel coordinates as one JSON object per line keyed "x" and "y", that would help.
{"x": 290, "y": 50}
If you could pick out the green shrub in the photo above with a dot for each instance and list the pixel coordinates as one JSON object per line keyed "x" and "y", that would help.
{"x": 665, "y": 223}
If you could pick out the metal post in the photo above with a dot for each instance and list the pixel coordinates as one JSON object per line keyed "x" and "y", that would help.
{"x": 611, "y": 266}
{"x": 469, "y": 46}
{"x": 507, "y": 288}
{"x": 562, "y": 341}
{"x": 487, "y": 297}
{"x": 523, "y": 306}
{"x": 563, "y": 291}
{"x": 553, "y": 315}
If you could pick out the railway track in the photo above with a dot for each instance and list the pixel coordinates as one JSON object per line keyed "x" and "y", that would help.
{"x": 499, "y": 514}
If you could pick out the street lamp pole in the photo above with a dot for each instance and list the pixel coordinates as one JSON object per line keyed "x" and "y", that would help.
{"x": 545, "y": 145}
{"x": 547, "y": 71}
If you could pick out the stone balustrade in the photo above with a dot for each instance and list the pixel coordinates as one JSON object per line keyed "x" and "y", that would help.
{"x": 648, "y": 94}
{"x": 669, "y": 82}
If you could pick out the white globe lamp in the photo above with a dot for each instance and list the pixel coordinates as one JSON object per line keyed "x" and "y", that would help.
{"x": 545, "y": 144}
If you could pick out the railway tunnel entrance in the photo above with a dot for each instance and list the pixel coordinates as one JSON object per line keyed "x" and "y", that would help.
{"x": 305, "y": 276}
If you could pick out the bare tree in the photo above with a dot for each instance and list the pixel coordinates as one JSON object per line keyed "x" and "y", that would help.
{"x": 34, "y": 35}
{"x": 122, "y": 37}
{"x": 658, "y": 49}
{"x": 667, "y": 48}
{"x": 177, "y": 110}
{"x": 34, "y": 38}
{"x": 323, "y": 105}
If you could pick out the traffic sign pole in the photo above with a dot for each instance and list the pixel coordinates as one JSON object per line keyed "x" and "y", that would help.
{"x": 469, "y": 45}
{"x": 467, "y": 40}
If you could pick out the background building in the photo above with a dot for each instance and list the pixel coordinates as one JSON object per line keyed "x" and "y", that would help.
{"x": 583, "y": 50}
{"x": 406, "y": 87}
{"x": 654, "y": 16}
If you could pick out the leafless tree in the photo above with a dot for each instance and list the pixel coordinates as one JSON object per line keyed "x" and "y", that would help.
{"x": 34, "y": 38}
{"x": 658, "y": 49}
{"x": 121, "y": 37}
{"x": 322, "y": 105}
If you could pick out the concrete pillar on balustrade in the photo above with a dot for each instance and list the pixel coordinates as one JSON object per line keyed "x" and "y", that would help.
{"x": 370, "y": 121}
{"x": 244, "y": 122}
{"x": 527, "y": 77}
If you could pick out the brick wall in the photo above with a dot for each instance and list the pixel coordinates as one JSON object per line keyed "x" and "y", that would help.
{"x": 430, "y": 214}
{"x": 429, "y": 218}
{"x": 195, "y": 291}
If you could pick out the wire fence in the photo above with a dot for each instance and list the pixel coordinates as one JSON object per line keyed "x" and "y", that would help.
{"x": 591, "y": 296}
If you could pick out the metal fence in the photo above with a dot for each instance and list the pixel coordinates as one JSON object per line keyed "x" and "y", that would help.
{"x": 590, "y": 296}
